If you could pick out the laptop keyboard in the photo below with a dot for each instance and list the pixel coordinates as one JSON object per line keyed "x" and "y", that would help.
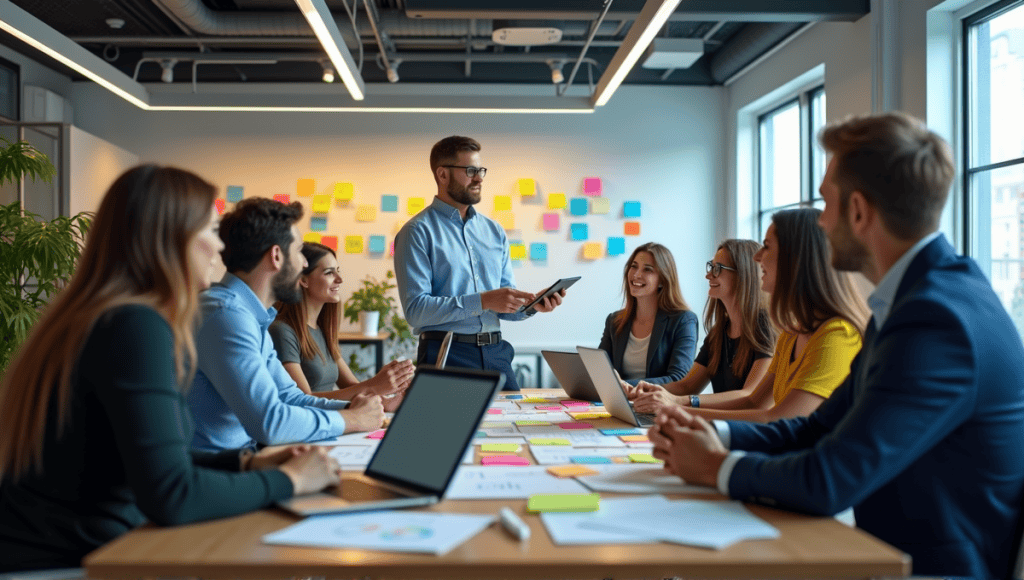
{"x": 645, "y": 419}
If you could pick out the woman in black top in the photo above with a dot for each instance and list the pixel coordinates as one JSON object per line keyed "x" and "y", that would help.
{"x": 740, "y": 338}
{"x": 94, "y": 431}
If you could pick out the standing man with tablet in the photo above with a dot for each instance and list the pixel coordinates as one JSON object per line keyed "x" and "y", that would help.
{"x": 454, "y": 271}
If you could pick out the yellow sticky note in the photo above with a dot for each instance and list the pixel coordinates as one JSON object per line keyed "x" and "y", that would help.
{"x": 305, "y": 187}
{"x": 579, "y": 416}
{"x": 600, "y": 205}
{"x": 312, "y": 237}
{"x": 571, "y": 470}
{"x": 502, "y": 203}
{"x": 533, "y": 422}
{"x": 507, "y": 219}
{"x": 526, "y": 187}
{"x": 344, "y": 191}
{"x": 398, "y": 226}
{"x": 415, "y": 205}
{"x": 592, "y": 250}
{"x": 634, "y": 438}
{"x": 321, "y": 203}
{"x": 535, "y": 400}
{"x": 518, "y": 251}
{"x": 563, "y": 502}
{"x": 366, "y": 213}
{"x": 500, "y": 448}
{"x": 353, "y": 244}
{"x": 495, "y": 424}
{"x": 542, "y": 441}
{"x": 643, "y": 458}
{"x": 556, "y": 201}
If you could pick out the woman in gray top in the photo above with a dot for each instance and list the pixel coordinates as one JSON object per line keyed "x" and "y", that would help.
{"x": 305, "y": 337}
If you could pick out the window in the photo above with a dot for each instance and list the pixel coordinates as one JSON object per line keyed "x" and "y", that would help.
{"x": 993, "y": 173}
{"x": 790, "y": 164}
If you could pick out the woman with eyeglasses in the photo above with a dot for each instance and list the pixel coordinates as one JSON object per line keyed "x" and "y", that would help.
{"x": 740, "y": 337}
{"x": 654, "y": 337}
{"x": 821, "y": 317}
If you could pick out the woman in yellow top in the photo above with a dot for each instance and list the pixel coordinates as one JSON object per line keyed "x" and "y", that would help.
{"x": 821, "y": 317}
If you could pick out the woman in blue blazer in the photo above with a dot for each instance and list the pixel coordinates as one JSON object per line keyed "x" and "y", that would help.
{"x": 654, "y": 338}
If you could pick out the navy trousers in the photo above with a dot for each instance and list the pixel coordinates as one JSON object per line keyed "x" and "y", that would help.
{"x": 491, "y": 357}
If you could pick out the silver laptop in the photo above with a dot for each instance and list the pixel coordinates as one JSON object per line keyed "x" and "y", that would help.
{"x": 602, "y": 374}
{"x": 422, "y": 447}
{"x": 571, "y": 374}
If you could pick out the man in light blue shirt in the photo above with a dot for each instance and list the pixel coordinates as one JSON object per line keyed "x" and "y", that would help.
{"x": 454, "y": 270}
{"x": 242, "y": 396}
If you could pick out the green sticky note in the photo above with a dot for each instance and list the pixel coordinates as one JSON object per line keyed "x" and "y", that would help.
{"x": 563, "y": 502}
{"x": 495, "y": 424}
{"x": 643, "y": 458}
{"x": 500, "y": 447}
{"x": 533, "y": 422}
{"x": 541, "y": 441}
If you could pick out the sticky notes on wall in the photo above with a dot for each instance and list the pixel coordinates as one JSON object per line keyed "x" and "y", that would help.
{"x": 312, "y": 237}
{"x": 398, "y": 226}
{"x": 592, "y": 250}
{"x": 538, "y": 251}
{"x": 330, "y": 241}
{"x": 391, "y": 248}
{"x": 283, "y": 198}
{"x": 600, "y": 205}
{"x": 578, "y": 206}
{"x": 377, "y": 244}
{"x": 616, "y": 246}
{"x": 235, "y": 193}
{"x": 578, "y": 232}
{"x": 631, "y": 209}
{"x": 507, "y": 219}
{"x": 526, "y": 187}
{"x": 318, "y": 224}
{"x": 321, "y": 203}
{"x": 556, "y": 201}
{"x": 305, "y": 187}
{"x": 366, "y": 213}
{"x": 632, "y": 228}
{"x": 592, "y": 186}
{"x": 415, "y": 205}
{"x": 220, "y": 205}
{"x": 502, "y": 203}
{"x": 518, "y": 250}
{"x": 353, "y": 244}
{"x": 389, "y": 203}
{"x": 344, "y": 191}
{"x": 550, "y": 221}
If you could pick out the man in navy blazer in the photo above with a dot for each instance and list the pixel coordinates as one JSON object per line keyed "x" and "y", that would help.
{"x": 925, "y": 438}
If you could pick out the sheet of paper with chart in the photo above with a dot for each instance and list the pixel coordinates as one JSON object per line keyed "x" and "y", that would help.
{"x": 478, "y": 482}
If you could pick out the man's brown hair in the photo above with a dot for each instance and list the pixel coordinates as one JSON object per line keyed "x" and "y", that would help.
{"x": 446, "y": 151}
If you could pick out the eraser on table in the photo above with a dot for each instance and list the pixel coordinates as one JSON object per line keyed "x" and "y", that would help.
{"x": 378, "y": 434}
{"x": 634, "y": 438}
{"x": 589, "y": 459}
{"x": 571, "y": 471}
{"x": 575, "y": 425}
{"x": 501, "y": 448}
{"x": 543, "y": 441}
{"x": 504, "y": 460}
{"x": 643, "y": 458}
{"x": 563, "y": 502}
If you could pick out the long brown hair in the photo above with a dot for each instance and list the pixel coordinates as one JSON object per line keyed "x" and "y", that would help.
{"x": 808, "y": 290}
{"x": 757, "y": 334}
{"x": 670, "y": 296}
{"x": 294, "y": 315}
{"x": 136, "y": 253}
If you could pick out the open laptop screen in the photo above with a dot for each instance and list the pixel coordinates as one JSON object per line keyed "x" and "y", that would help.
{"x": 425, "y": 442}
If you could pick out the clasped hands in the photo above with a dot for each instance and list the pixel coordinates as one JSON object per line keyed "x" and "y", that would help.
{"x": 510, "y": 300}
{"x": 688, "y": 445}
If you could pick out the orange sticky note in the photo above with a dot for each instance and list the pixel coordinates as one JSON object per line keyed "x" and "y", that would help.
{"x": 592, "y": 250}
{"x": 330, "y": 241}
{"x": 632, "y": 229}
{"x": 321, "y": 203}
{"x": 305, "y": 187}
{"x": 526, "y": 187}
{"x": 507, "y": 219}
{"x": 366, "y": 213}
{"x": 518, "y": 251}
{"x": 353, "y": 244}
{"x": 634, "y": 438}
{"x": 415, "y": 204}
{"x": 312, "y": 237}
{"x": 502, "y": 203}
{"x": 220, "y": 205}
{"x": 570, "y": 470}
{"x": 556, "y": 201}
{"x": 282, "y": 197}
{"x": 344, "y": 191}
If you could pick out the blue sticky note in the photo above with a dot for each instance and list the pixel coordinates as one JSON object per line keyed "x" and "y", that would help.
{"x": 616, "y": 246}
{"x": 389, "y": 203}
{"x": 589, "y": 459}
{"x": 538, "y": 251}
{"x": 235, "y": 193}
{"x": 317, "y": 224}
{"x": 597, "y": 404}
{"x": 578, "y": 232}
{"x": 578, "y": 206}
{"x": 513, "y": 397}
{"x": 377, "y": 245}
{"x": 618, "y": 432}
{"x": 631, "y": 209}
{"x": 481, "y": 434}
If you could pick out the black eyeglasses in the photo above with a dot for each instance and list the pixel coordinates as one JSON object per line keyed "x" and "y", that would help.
{"x": 715, "y": 269}
{"x": 471, "y": 170}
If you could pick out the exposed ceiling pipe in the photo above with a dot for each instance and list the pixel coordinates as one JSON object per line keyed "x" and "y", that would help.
{"x": 748, "y": 45}
{"x": 371, "y": 15}
{"x": 296, "y": 40}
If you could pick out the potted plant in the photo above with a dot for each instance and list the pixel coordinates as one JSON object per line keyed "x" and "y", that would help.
{"x": 374, "y": 308}
{"x": 36, "y": 257}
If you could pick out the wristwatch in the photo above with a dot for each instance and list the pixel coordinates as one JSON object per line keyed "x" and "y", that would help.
{"x": 695, "y": 401}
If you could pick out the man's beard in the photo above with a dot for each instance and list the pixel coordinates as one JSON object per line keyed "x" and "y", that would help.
{"x": 285, "y": 284}
{"x": 462, "y": 194}
{"x": 848, "y": 255}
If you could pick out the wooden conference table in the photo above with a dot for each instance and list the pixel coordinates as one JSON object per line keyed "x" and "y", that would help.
{"x": 808, "y": 547}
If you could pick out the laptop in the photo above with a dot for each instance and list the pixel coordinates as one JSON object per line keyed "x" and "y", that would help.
{"x": 602, "y": 374}
{"x": 422, "y": 447}
{"x": 571, "y": 374}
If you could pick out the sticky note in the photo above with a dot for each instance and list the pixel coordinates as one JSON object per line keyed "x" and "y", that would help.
{"x": 600, "y": 205}
{"x": 500, "y": 448}
{"x": 502, "y": 203}
{"x": 588, "y": 415}
{"x": 631, "y": 209}
{"x": 311, "y": 237}
{"x": 480, "y": 434}
{"x": 235, "y": 193}
{"x": 526, "y": 187}
{"x": 504, "y": 460}
{"x": 398, "y": 226}
{"x": 305, "y": 187}
{"x": 592, "y": 186}
{"x": 378, "y": 434}
{"x": 494, "y": 411}
{"x": 616, "y": 246}
{"x": 549, "y": 441}
{"x": 513, "y": 397}
{"x": 330, "y": 241}
{"x": 571, "y": 471}
{"x": 643, "y": 458}
{"x": 550, "y": 222}
{"x": 283, "y": 198}
{"x": 548, "y": 408}
{"x": 592, "y": 250}
{"x": 507, "y": 219}
{"x": 344, "y": 191}
{"x": 353, "y": 244}
{"x": 538, "y": 251}
{"x": 495, "y": 424}
{"x": 389, "y": 203}
{"x": 318, "y": 224}
{"x": 321, "y": 203}
{"x": 578, "y": 206}
{"x": 556, "y": 201}
{"x": 563, "y": 502}
{"x": 533, "y": 422}
{"x": 377, "y": 245}
{"x": 415, "y": 205}
{"x": 518, "y": 251}
{"x": 391, "y": 248}
{"x": 572, "y": 403}
{"x": 634, "y": 438}
{"x": 535, "y": 400}
{"x": 620, "y": 432}
{"x": 578, "y": 232}
{"x": 366, "y": 213}
{"x": 575, "y": 425}
{"x": 632, "y": 228}
{"x": 589, "y": 459}
{"x": 220, "y": 205}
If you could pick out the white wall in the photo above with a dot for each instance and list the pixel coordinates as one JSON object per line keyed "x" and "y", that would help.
{"x": 660, "y": 146}
{"x": 95, "y": 164}
{"x": 35, "y": 74}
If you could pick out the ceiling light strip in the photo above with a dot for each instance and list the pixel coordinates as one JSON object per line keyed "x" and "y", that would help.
{"x": 653, "y": 16}
{"x": 442, "y": 110}
{"x": 326, "y": 31}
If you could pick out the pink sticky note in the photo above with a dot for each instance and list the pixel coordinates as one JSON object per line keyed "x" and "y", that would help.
{"x": 575, "y": 425}
{"x": 575, "y": 403}
{"x": 503, "y": 460}
{"x": 493, "y": 411}
{"x": 592, "y": 186}
{"x": 378, "y": 434}
{"x": 548, "y": 408}
{"x": 551, "y": 222}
